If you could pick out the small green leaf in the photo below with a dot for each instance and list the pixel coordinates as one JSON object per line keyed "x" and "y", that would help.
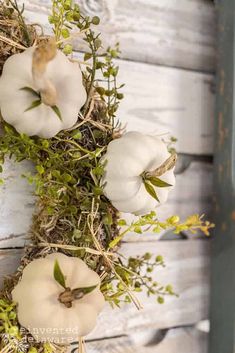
{"x": 122, "y": 222}
{"x": 120, "y": 95}
{"x": 34, "y": 105}
{"x": 57, "y": 111}
{"x": 160, "y": 300}
{"x": 138, "y": 230}
{"x": 66, "y": 177}
{"x": 95, "y": 20}
{"x": 150, "y": 189}
{"x": 58, "y": 274}
{"x": 97, "y": 190}
{"x": 80, "y": 292}
{"x": 87, "y": 56}
{"x": 76, "y": 134}
{"x": 40, "y": 169}
{"x": 100, "y": 90}
{"x": 98, "y": 43}
{"x": 31, "y": 90}
{"x": 158, "y": 182}
{"x": 68, "y": 49}
{"x": 65, "y": 33}
{"x": 107, "y": 219}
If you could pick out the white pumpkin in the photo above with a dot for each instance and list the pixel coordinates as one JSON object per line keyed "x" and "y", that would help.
{"x": 40, "y": 309}
{"x": 126, "y": 161}
{"x": 57, "y": 81}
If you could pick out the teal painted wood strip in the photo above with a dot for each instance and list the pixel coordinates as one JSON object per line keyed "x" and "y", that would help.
{"x": 222, "y": 336}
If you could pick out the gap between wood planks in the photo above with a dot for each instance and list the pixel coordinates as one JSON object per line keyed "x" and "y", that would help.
{"x": 184, "y": 340}
{"x": 161, "y": 32}
{"x": 192, "y": 194}
{"x": 160, "y": 99}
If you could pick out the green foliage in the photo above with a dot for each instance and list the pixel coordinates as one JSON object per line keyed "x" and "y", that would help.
{"x": 8, "y": 322}
{"x": 58, "y": 274}
{"x": 11, "y": 334}
{"x": 150, "y": 189}
{"x": 72, "y": 213}
{"x": 151, "y": 223}
{"x": 138, "y": 274}
{"x": 19, "y": 12}
{"x": 68, "y": 22}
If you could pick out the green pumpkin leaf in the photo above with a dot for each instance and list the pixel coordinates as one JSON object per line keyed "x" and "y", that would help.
{"x": 34, "y": 105}
{"x": 80, "y": 292}
{"x": 58, "y": 274}
{"x": 150, "y": 189}
{"x": 57, "y": 111}
{"x": 158, "y": 182}
{"x": 31, "y": 90}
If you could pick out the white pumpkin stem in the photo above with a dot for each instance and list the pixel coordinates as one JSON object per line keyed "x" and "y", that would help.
{"x": 164, "y": 167}
{"x": 42, "y": 55}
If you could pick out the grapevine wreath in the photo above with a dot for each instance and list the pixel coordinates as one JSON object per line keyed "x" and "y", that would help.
{"x": 58, "y": 110}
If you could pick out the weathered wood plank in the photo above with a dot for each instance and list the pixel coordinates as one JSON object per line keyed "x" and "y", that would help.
{"x": 192, "y": 194}
{"x": 182, "y": 340}
{"x": 16, "y": 205}
{"x": 222, "y": 337}
{"x": 159, "y": 32}
{"x": 9, "y": 261}
{"x": 167, "y": 100}
{"x": 187, "y": 270}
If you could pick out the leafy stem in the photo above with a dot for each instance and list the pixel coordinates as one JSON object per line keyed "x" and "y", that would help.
{"x": 21, "y": 21}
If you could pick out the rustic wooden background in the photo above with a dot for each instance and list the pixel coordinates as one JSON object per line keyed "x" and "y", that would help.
{"x": 168, "y": 62}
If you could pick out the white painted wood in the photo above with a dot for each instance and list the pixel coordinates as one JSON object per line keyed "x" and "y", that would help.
{"x": 16, "y": 204}
{"x": 187, "y": 266}
{"x": 192, "y": 194}
{"x": 183, "y": 340}
{"x": 166, "y": 100}
{"x": 159, "y": 32}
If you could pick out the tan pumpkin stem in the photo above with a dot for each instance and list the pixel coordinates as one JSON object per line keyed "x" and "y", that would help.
{"x": 42, "y": 55}
{"x": 164, "y": 167}
{"x": 69, "y": 295}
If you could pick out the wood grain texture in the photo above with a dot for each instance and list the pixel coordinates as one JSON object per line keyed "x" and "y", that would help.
{"x": 183, "y": 340}
{"x": 16, "y": 204}
{"x": 162, "y": 100}
{"x": 222, "y": 336}
{"x": 9, "y": 261}
{"x": 157, "y": 32}
{"x": 192, "y": 194}
{"x": 187, "y": 267}
{"x": 168, "y": 102}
